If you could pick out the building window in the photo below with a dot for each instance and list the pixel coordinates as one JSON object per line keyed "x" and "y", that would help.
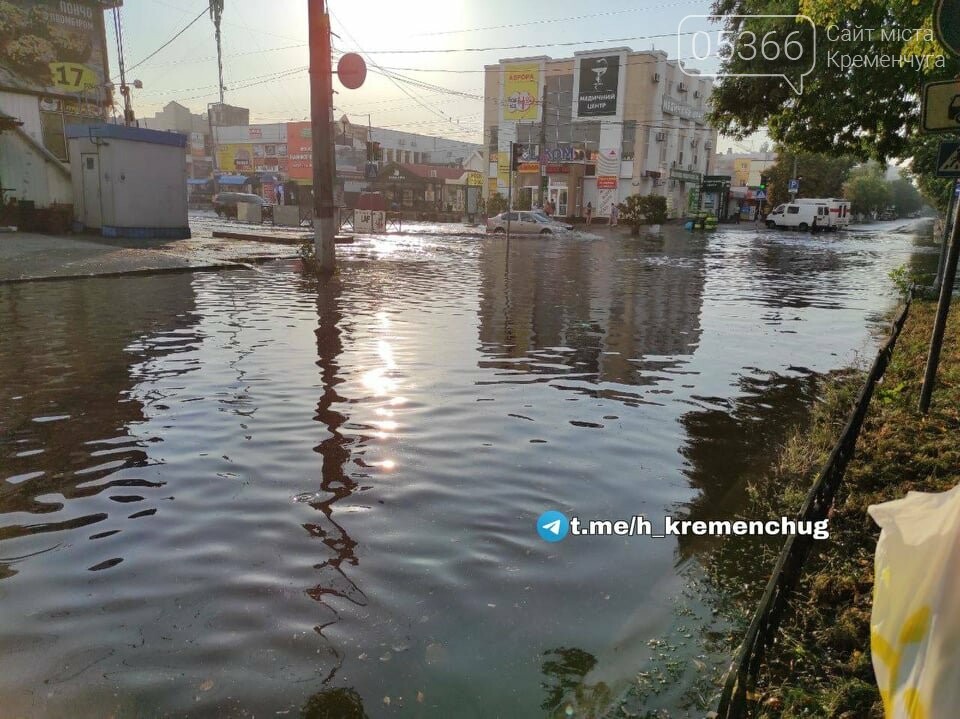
{"x": 629, "y": 139}
{"x": 680, "y": 157}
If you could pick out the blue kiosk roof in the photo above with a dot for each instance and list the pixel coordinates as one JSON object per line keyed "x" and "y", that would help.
{"x": 133, "y": 134}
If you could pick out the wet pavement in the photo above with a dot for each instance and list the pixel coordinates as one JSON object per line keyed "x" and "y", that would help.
{"x": 249, "y": 492}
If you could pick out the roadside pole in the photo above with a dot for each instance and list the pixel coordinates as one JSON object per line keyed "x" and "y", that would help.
{"x": 943, "y": 308}
{"x": 213, "y": 150}
{"x": 510, "y": 193}
{"x": 947, "y": 228}
{"x": 542, "y": 148}
{"x": 321, "y": 115}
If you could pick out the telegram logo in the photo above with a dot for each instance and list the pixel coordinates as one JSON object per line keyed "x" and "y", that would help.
{"x": 552, "y": 526}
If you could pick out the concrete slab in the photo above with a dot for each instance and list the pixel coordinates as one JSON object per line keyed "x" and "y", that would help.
{"x": 27, "y": 256}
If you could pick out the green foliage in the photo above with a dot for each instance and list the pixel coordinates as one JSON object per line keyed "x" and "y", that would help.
{"x": 524, "y": 201}
{"x": 496, "y": 204}
{"x": 867, "y": 190}
{"x": 823, "y": 175}
{"x": 639, "y": 210}
{"x": 905, "y": 197}
{"x": 905, "y": 279}
{"x": 866, "y": 112}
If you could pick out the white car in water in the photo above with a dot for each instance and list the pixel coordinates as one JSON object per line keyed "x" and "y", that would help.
{"x": 526, "y": 222}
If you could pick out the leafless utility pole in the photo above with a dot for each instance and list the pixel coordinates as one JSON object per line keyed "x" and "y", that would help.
{"x": 321, "y": 115}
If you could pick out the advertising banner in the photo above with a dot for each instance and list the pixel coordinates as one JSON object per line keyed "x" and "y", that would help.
{"x": 53, "y": 48}
{"x": 503, "y": 169}
{"x": 608, "y": 162}
{"x": 521, "y": 91}
{"x": 300, "y": 151}
{"x": 235, "y": 157}
{"x": 597, "y": 89}
{"x": 606, "y": 198}
{"x": 606, "y": 182}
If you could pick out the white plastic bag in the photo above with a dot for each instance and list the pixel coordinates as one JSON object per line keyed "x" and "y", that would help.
{"x": 915, "y": 625}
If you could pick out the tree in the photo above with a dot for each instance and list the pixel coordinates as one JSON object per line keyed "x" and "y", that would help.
{"x": 866, "y": 189}
{"x": 496, "y": 204}
{"x": 639, "y": 210}
{"x": 854, "y": 108}
{"x": 216, "y": 14}
{"x": 823, "y": 175}
{"x": 905, "y": 197}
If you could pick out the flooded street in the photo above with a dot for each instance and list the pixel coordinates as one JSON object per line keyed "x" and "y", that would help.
{"x": 248, "y": 492}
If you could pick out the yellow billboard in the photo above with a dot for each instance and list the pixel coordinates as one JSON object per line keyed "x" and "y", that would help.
{"x": 235, "y": 157}
{"x": 521, "y": 91}
{"x": 503, "y": 168}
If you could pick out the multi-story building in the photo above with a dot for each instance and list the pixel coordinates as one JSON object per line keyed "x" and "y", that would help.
{"x": 596, "y": 128}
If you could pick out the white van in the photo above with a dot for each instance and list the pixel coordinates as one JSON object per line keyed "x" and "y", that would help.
{"x": 839, "y": 211}
{"x": 801, "y": 215}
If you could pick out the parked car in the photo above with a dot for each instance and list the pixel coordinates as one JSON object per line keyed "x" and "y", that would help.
{"x": 525, "y": 222}
{"x": 887, "y": 215}
{"x": 225, "y": 204}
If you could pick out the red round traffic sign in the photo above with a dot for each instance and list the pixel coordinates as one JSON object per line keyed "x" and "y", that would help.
{"x": 352, "y": 70}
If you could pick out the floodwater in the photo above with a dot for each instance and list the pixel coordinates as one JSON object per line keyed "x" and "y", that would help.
{"x": 249, "y": 493}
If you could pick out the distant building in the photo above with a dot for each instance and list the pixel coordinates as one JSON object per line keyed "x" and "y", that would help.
{"x": 743, "y": 168}
{"x": 615, "y": 123}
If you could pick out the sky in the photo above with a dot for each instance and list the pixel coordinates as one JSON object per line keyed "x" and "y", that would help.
{"x": 266, "y": 55}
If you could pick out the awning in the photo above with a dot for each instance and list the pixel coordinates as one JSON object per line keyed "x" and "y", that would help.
{"x": 232, "y": 180}
{"x": 197, "y": 181}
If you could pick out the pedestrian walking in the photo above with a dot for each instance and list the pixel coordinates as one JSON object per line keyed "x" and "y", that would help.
{"x": 280, "y": 193}
{"x": 614, "y": 214}
{"x": 589, "y": 212}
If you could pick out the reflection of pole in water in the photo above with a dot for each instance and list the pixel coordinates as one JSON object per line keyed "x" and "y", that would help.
{"x": 335, "y": 483}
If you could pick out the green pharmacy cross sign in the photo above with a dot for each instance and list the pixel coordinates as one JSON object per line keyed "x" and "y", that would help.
{"x": 946, "y": 24}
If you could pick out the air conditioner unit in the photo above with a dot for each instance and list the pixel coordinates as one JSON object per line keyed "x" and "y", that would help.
{"x": 661, "y": 136}
{"x": 656, "y": 77}
{"x": 681, "y": 87}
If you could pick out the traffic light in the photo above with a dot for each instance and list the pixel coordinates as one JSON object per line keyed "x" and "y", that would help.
{"x": 373, "y": 151}
{"x": 763, "y": 182}
{"x": 516, "y": 155}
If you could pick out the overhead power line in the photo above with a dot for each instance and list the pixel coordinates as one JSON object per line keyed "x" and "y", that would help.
{"x": 168, "y": 42}
{"x": 550, "y": 21}
{"x": 526, "y": 46}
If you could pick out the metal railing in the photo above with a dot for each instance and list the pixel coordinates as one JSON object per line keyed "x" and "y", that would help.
{"x": 761, "y": 634}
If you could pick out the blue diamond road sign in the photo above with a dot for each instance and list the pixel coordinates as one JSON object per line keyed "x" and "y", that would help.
{"x": 948, "y": 159}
